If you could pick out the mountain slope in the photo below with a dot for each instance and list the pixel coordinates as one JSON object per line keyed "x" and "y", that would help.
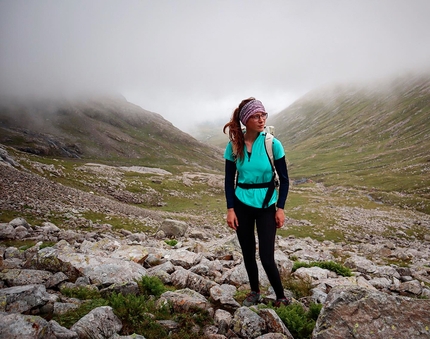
{"x": 105, "y": 128}
{"x": 374, "y": 137}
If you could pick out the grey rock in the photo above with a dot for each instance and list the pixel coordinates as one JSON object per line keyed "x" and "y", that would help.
{"x": 247, "y": 323}
{"x": 101, "y": 322}
{"x": 126, "y": 288}
{"x": 21, "y": 299}
{"x": 182, "y": 278}
{"x": 223, "y": 320}
{"x": 184, "y": 300}
{"x": 274, "y": 336}
{"x": 20, "y": 277}
{"x": 184, "y": 258}
{"x": 7, "y": 231}
{"x": 61, "y": 332}
{"x": 174, "y": 228}
{"x": 63, "y": 308}
{"x": 224, "y": 295}
{"x": 19, "y": 222}
{"x": 367, "y": 314}
{"x": 19, "y": 326}
{"x": 274, "y": 324}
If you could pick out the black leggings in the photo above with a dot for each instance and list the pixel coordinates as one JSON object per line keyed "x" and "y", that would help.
{"x": 264, "y": 218}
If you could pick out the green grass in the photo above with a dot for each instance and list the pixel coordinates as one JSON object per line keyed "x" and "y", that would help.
{"x": 8, "y": 215}
{"x": 328, "y": 265}
{"x": 299, "y": 321}
{"x": 135, "y": 314}
{"x": 299, "y": 287}
{"x": 24, "y": 245}
{"x": 81, "y": 292}
{"x": 179, "y": 197}
{"x": 172, "y": 242}
{"x": 118, "y": 222}
{"x": 304, "y": 203}
{"x": 339, "y": 169}
{"x": 417, "y": 231}
{"x": 151, "y": 286}
{"x": 406, "y": 201}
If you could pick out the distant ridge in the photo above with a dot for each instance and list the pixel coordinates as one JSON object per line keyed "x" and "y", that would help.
{"x": 108, "y": 128}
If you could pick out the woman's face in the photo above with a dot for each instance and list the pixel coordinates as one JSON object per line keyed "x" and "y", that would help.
{"x": 256, "y": 122}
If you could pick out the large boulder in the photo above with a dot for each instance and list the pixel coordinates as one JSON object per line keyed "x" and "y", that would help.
{"x": 174, "y": 228}
{"x": 101, "y": 271}
{"x": 360, "y": 313}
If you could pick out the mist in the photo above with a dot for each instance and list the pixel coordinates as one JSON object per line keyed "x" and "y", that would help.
{"x": 194, "y": 61}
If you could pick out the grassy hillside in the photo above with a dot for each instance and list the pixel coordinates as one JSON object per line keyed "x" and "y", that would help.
{"x": 106, "y": 129}
{"x": 373, "y": 138}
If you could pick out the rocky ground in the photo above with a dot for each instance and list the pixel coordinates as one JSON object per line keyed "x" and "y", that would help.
{"x": 386, "y": 249}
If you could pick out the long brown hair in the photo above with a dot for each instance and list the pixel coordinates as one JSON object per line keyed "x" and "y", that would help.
{"x": 235, "y": 133}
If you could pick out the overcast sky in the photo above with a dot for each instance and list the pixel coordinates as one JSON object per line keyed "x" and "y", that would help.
{"x": 195, "y": 60}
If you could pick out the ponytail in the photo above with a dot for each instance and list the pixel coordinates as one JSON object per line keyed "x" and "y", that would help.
{"x": 235, "y": 133}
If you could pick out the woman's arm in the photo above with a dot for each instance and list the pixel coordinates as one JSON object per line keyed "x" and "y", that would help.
{"x": 230, "y": 175}
{"x": 284, "y": 181}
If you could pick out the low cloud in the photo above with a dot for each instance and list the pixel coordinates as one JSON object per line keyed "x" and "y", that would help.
{"x": 195, "y": 60}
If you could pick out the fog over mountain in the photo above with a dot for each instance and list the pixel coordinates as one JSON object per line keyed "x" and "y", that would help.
{"x": 193, "y": 61}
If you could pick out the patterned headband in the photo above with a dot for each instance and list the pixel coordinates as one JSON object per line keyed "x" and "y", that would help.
{"x": 250, "y": 108}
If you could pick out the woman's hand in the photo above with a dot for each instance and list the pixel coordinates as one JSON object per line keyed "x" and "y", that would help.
{"x": 232, "y": 221}
{"x": 279, "y": 217}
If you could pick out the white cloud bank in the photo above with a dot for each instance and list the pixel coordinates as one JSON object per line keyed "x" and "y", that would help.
{"x": 195, "y": 60}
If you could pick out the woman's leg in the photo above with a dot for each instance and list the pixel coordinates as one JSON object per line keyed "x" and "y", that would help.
{"x": 266, "y": 229}
{"x": 245, "y": 233}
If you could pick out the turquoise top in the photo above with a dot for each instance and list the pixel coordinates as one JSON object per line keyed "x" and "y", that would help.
{"x": 254, "y": 169}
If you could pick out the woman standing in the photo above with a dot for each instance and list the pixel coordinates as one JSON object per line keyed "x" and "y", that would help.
{"x": 254, "y": 200}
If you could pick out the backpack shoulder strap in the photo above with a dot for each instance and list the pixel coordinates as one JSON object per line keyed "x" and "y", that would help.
{"x": 268, "y": 143}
